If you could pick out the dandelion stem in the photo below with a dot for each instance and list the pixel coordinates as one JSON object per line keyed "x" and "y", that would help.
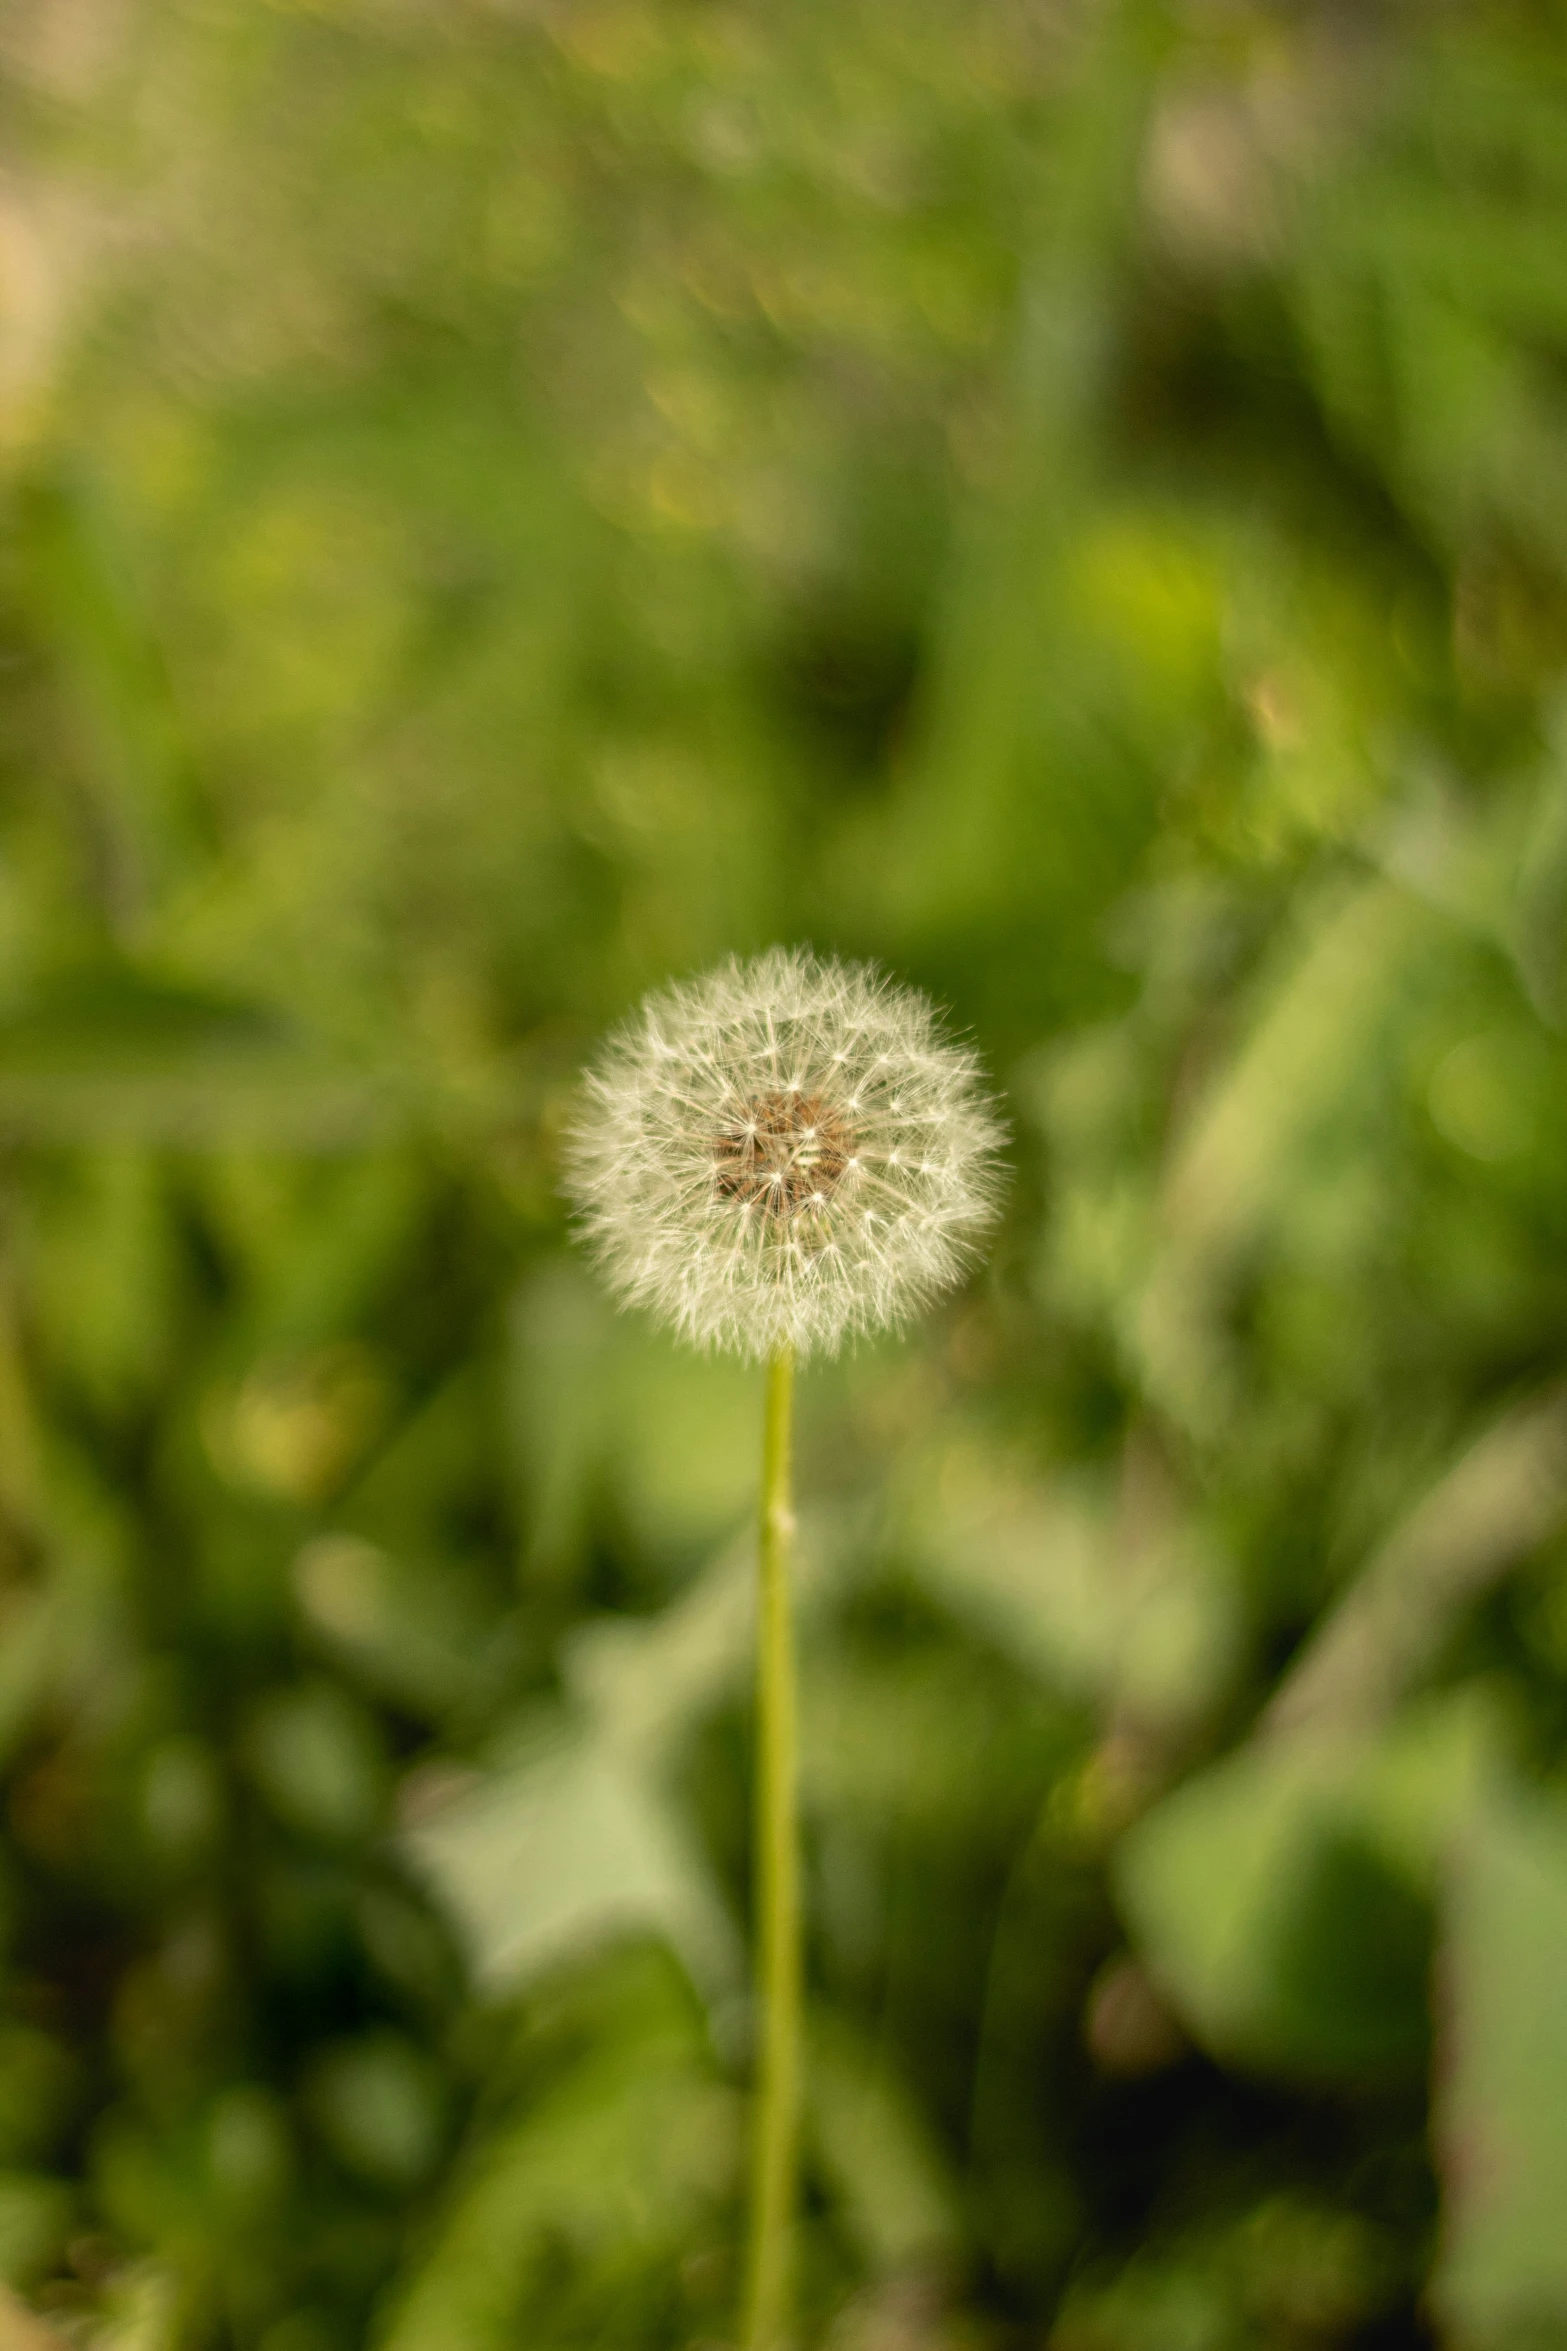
{"x": 777, "y": 1866}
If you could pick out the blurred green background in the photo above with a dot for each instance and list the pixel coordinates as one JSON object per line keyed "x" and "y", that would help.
{"x": 504, "y": 501}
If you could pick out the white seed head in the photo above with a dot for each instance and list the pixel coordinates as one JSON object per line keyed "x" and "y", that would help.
{"x": 782, "y": 1153}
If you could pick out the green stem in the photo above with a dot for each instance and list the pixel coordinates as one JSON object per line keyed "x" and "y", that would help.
{"x": 777, "y": 1865}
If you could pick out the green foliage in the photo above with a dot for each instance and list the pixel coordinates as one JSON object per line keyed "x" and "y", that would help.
{"x": 501, "y": 506}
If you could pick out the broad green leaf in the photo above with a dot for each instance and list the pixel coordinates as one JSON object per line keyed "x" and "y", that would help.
{"x": 1271, "y": 1921}
{"x": 1284, "y": 1898}
{"x": 561, "y": 1854}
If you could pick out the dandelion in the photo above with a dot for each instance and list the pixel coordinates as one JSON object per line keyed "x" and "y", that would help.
{"x": 773, "y": 1158}
{"x": 784, "y": 1153}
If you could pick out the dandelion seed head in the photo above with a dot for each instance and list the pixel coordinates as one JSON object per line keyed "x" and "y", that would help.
{"x": 784, "y": 1152}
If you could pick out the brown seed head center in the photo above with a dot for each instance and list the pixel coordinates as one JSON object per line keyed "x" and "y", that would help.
{"x": 788, "y": 1153}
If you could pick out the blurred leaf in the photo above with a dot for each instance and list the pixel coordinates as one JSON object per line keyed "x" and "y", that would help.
{"x": 1501, "y": 2086}
{"x": 1275, "y": 1926}
{"x": 563, "y": 2217}
{"x": 560, "y": 1332}
{"x": 86, "y": 604}
{"x": 1286, "y": 2270}
{"x": 602, "y": 1406}
{"x": 38, "y": 2079}
{"x": 112, "y": 1015}
{"x": 106, "y": 1052}
{"x": 36, "y": 2216}
{"x": 1046, "y": 1570}
{"x": 885, "y": 2169}
{"x": 1283, "y": 1898}
{"x": 318, "y": 1758}
{"x": 560, "y": 1854}
{"x": 1504, "y": 1494}
{"x": 579, "y": 1842}
{"x": 419, "y": 1633}
{"x": 379, "y": 2102}
{"x": 201, "y": 2190}
{"x": 1309, "y": 1062}
{"x": 645, "y": 1681}
{"x": 30, "y": 1658}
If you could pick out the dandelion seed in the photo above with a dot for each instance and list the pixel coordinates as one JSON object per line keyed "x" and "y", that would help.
{"x": 708, "y": 1183}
